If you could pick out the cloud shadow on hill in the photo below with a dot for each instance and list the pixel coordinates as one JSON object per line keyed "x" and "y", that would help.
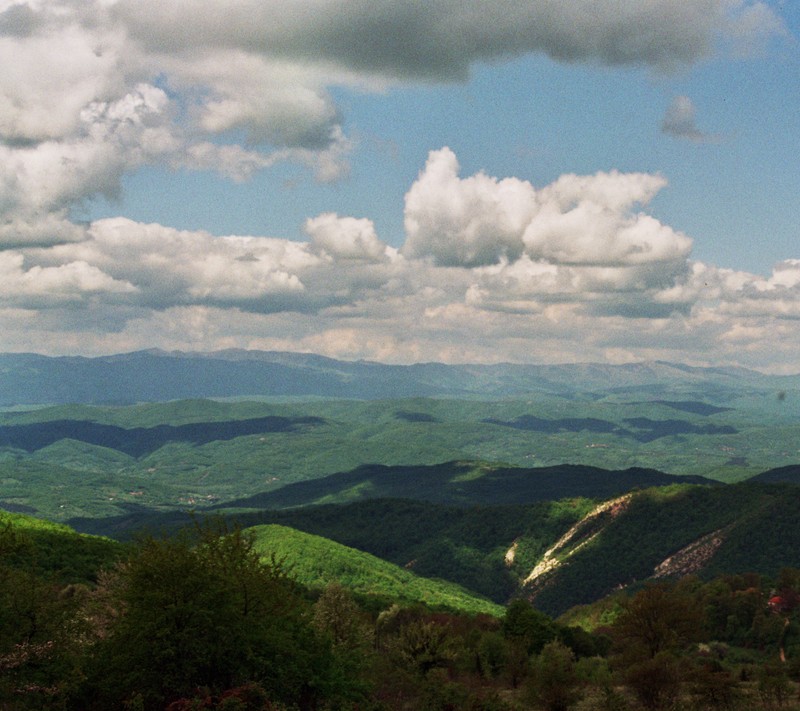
{"x": 140, "y": 441}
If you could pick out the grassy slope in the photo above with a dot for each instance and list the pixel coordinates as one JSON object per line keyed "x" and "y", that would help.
{"x": 56, "y": 550}
{"x": 315, "y": 562}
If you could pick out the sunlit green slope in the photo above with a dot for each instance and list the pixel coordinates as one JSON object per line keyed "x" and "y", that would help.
{"x": 315, "y": 562}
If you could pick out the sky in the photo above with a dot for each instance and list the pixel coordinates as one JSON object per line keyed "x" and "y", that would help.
{"x": 455, "y": 180}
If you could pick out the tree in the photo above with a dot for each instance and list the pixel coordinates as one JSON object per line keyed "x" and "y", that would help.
{"x": 421, "y": 645}
{"x": 554, "y": 684}
{"x": 205, "y": 612}
{"x": 337, "y": 615}
{"x": 40, "y": 631}
{"x": 654, "y": 626}
{"x": 714, "y": 686}
{"x": 528, "y": 626}
{"x": 655, "y": 680}
{"x": 657, "y": 619}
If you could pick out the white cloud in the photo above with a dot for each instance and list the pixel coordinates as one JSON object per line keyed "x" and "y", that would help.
{"x": 679, "y": 122}
{"x": 750, "y": 25}
{"x": 36, "y": 229}
{"x": 470, "y": 222}
{"x": 569, "y": 271}
{"x": 38, "y": 286}
{"x": 173, "y": 267}
{"x": 589, "y": 220}
{"x": 92, "y": 90}
{"x": 40, "y": 182}
{"x": 346, "y": 238}
{"x": 491, "y": 268}
{"x": 53, "y": 72}
{"x": 479, "y": 220}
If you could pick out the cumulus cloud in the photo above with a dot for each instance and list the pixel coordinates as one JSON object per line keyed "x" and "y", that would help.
{"x": 490, "y": 266}
{"x": 40, "y": 183}
{"x": 680, "y": 122}
{"x": 750, "y": 26}
{"x": 92, "y": 90}
{"x": 54, "y": 66}
{"x": 407, "y": 39}
{"x": 346, "y": 237}
{"x": 599, "y": 281}
{"x": 470, "y": 222}
{"x": 578, "y": 220}
{"x": 173, "y": 267}
{"x": 38, "y": 286}
{"x": 342, "y": 264}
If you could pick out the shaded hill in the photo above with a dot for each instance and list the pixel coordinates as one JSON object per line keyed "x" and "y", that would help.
{"x": 561, "y": 554}
{"x": 670, "y": 532}
{"x": 693, "y": 407}
{"x": 464, "y": 483}
{"x": 67, "y": 461}
{"x": 780, "y": 475}
{"x": 557, "y": 553}
{"x": 467, "y": 545}
{"x": 139, "y": 441}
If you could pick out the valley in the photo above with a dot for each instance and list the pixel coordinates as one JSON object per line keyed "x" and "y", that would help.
{"x": 422, "y": 481}
{"x": 497, "y": 506}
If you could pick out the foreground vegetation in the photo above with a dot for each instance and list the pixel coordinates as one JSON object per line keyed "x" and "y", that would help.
{"x": 214, "y": 619}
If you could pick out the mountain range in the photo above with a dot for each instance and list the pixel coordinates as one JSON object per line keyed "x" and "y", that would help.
{"x": 153, "y": 375}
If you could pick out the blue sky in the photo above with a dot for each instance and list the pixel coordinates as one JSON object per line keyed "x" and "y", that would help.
{"x": 456, "y": 181}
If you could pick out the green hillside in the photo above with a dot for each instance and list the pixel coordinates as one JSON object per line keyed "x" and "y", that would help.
{"x": 72, "y": 461}
{"x": 316, "y": 562}
{"x": 494, "y": 549}
{"x": 469, "y": 546}
{"x": 54, "y": 550}
{"x": 674, "y": 532}
{"x": 582, "y": 548}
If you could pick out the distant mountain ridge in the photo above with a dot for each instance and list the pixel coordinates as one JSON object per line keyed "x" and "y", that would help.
{"x": 153, "y": 375}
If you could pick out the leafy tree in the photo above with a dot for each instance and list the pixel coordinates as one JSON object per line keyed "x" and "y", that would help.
{"x": 492, "y": 654}
{"x": 655, "y": 680}
{"x": 554, "y": 684}
{"x": 526, "y": 625}
{"x": 658, "y": 618}
{"x": 205, "y": 613}
{"x": 774, "y": 687}
{"x": 421, "y": 645}
{"x": 714, "y": 686}
{"x": 337, "y": 615}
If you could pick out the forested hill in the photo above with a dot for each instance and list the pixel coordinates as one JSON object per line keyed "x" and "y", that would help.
{"x": 465, "y": 483}
{"x": 557, "y": 553}
{"x": 157, "y": 376}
